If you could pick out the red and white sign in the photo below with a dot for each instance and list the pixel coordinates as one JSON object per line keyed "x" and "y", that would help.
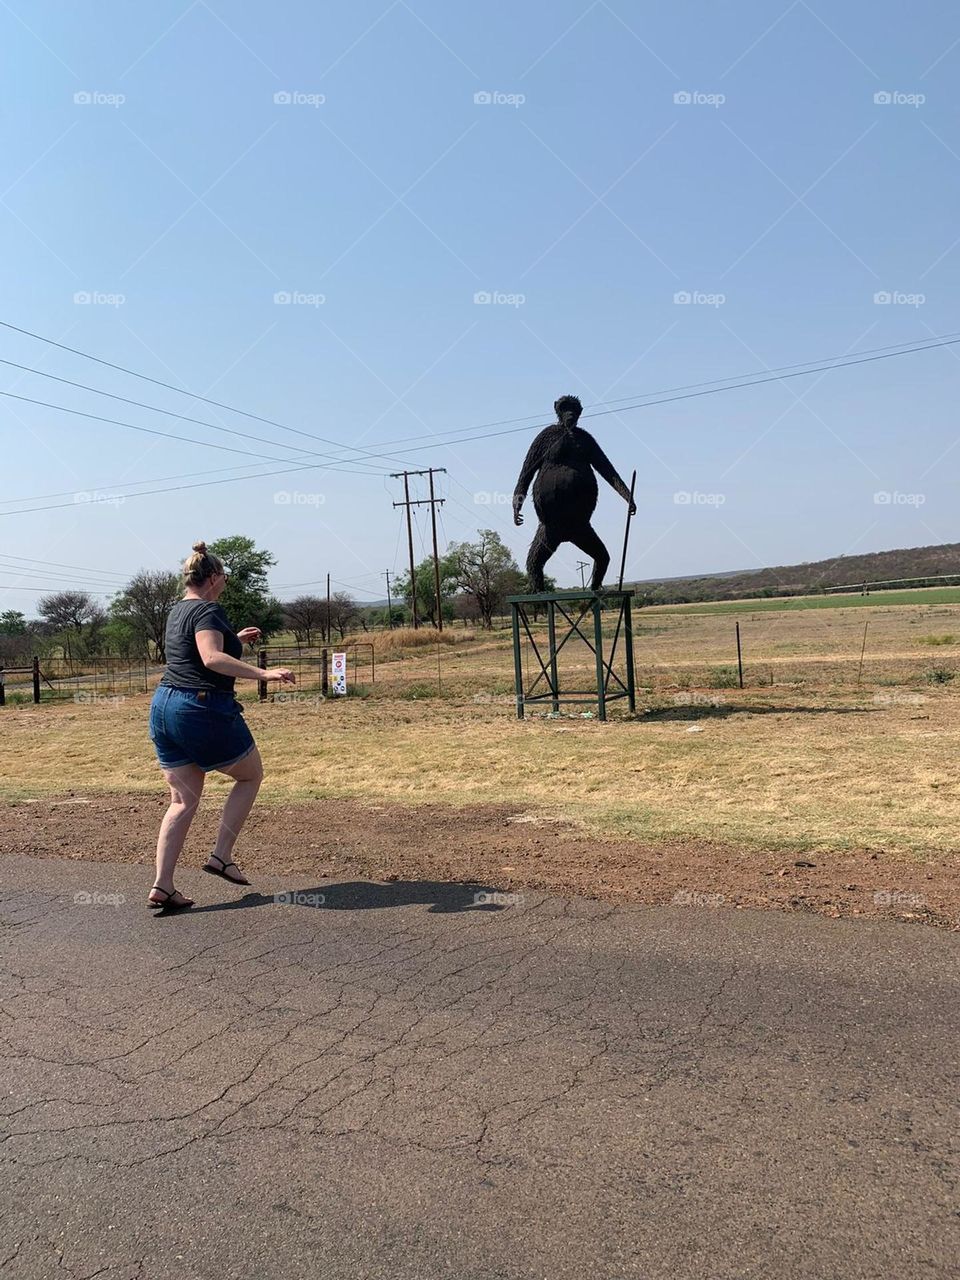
{"x": 338, "y": 671}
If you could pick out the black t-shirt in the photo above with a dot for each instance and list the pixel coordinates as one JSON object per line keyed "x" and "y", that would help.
{"x": 185, "y": 669}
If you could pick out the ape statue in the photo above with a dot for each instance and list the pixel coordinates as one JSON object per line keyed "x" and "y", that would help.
{"x": 563, "y": 457}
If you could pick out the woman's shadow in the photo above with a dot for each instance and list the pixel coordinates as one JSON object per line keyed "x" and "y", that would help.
{"x": 360, "y": 895}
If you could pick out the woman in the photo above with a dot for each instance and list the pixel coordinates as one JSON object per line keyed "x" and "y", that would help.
{"x": 197, "y": 725}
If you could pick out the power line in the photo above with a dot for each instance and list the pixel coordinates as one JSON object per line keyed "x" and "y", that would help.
{"x": 45, "y": 588}
{"x": 369, "y": 452}
{"x": 437, "y": 440}
{"x": 167, "y": 435}
{"x": 168, "y": 386}
{"x": 111, "y": 573}
{"x": 142, "y": 404}
{"x": 299, "y": 451}
{"x": 129, "y": 484}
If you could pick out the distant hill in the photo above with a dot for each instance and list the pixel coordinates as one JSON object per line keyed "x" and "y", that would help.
{"x": 805, "y": 579}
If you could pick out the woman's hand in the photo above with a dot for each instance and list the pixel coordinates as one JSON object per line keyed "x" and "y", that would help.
{"x": 248, "y": 635}
{"x": 279, "y": 673}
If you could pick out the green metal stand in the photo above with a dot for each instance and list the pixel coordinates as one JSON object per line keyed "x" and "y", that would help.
{"x": 610, "y": 686}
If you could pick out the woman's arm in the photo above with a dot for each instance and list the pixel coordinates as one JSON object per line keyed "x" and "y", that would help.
{"x": 210, "y": 646}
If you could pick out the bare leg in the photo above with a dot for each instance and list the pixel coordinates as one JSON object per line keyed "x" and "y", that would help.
{"x": 590, "y": 543}
{"x": 186, "y": 788}
{"x": 544, "y": 544}
{"x": 247, "y": 774}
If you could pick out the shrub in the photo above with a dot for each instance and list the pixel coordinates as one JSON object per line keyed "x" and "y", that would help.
{"x": 724, "y": 678}
{"x": 940, "y": 675}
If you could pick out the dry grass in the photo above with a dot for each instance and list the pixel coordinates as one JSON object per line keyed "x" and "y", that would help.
{"x": 810, "y": 763}
{"x": 404, "y": 640}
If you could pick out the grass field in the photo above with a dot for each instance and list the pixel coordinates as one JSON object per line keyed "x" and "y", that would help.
{"x": 921, "y": 595}
{"x": 800, "y": 758}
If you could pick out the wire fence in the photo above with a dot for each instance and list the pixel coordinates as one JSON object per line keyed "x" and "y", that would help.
{"x": 677, "y": 654}
{"x": 36, "y": 679}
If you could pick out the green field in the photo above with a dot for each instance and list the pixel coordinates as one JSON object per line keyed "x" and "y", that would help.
{"x": 781, "y": 604}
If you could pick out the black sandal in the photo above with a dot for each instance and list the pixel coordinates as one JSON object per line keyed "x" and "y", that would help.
{"x": 212, "y": 871}
{"x": 168, "y": 905}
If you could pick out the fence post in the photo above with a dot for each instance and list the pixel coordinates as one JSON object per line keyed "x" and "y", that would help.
{"x": 324, "y": 673}
{"x": 739, "y": 656}
{"x": 262, "y": 684}
{"x": 3, "y": 692}
{"x": 36, "y": 680}
{"x": 863, "y": 650}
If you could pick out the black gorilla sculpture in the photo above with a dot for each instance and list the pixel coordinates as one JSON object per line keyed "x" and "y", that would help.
{"x": 564, "y": 458}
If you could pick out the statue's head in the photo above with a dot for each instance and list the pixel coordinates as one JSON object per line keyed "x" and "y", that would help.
{"x": 568, "y": 410}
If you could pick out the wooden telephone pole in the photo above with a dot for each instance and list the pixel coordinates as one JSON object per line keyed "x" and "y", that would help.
{"x": 389, "y": 604}
{"x": 433, "y": 503}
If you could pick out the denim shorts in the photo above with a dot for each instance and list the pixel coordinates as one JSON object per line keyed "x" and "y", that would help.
{"x": 198, "y": 726}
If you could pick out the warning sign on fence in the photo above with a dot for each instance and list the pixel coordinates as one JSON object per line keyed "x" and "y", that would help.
{"x": 338, "y": 672}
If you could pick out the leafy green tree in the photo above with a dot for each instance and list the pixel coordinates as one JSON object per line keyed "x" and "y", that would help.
{"x": 246, "y": 599}
{"x": 487, "y": 571}
{"x": 13, "y": 623}
{"x": 427, "y": 588}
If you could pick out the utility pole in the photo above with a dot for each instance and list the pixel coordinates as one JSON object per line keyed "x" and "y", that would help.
{"x": 421, "y": 502}
{"x": 389, "y": 605}
{"x": 329, "y": 623}
{"x": 581, "y": 565}
{"x": 436, "y": 557}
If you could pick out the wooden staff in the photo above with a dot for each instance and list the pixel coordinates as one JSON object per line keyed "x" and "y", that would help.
{"x": 626, "y": 532}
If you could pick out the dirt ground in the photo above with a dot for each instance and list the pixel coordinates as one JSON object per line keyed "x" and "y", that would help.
{"x": 496, "y": 847}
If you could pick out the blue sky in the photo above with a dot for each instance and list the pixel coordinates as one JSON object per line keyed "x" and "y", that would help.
{"x": 169, "y": 169}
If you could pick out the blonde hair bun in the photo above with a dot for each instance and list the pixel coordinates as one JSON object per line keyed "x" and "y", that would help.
{"x": 200, "y": 566}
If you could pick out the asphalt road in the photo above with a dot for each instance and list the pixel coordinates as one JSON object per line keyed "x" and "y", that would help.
{"x": 398, "y": 1082}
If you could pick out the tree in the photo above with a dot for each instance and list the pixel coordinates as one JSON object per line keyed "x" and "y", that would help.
{"x": 487, "y": 571}
{"x": 246, "y": 598}
{"x": 145, "y": 605}
{"x": 549, "y": 584}
{"x": 13, "y": 623}
{"x": 343, "y": 611}
{"x": 66, "y": 612}
{"x": 305, "y": 617}
{"x": 427, "y": 586}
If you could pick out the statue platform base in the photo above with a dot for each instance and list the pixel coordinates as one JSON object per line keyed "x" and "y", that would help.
{"x": 569, "y": 614}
